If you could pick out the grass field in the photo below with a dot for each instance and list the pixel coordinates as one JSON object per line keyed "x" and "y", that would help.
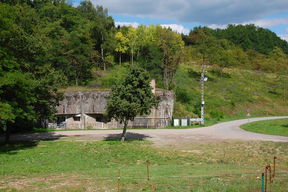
{"x": 71, "y": 164}
{"x": 270, "y": 127}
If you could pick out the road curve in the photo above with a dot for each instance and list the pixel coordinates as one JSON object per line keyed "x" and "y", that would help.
{"x": 222, "y": 131}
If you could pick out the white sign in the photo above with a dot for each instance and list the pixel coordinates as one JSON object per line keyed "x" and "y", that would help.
{"x": 184, "y": 122}
{"x": 176, "y": 122}
{"x": 196, "y": 120}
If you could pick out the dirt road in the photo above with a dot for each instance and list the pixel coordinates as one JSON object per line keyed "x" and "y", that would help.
{"x": 219, "y": 132}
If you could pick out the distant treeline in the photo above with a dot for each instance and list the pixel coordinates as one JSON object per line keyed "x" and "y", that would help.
{"x": 243, "y": 46}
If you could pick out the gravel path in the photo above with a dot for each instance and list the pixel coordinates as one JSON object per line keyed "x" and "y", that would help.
{"x": 219, "y": 132}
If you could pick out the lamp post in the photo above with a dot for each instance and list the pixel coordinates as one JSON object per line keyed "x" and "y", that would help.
{"x": 203, "y": 79}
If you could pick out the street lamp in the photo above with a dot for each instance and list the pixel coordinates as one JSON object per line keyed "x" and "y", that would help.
{"x": 203, "y": 79}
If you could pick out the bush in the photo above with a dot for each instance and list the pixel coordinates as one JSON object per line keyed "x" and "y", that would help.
{"x": 182, "y": 95}
{"x": 216, "y": 114}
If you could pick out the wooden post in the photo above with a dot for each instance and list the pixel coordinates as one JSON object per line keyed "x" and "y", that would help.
{"x": 148, "y": 171}
{"x": 274, "y": 166}
{"x": 270, "y": 174}
{"x": 118, "y": 181}
{"x": 265, "y": 186}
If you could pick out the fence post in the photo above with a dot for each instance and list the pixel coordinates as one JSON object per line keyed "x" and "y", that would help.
{"x": 265, "y": 186}
{"x": 118, "y": 181}
{"x": 270, "y": 174}
{"x": 148, "y": 171}
{"x": 262, "y": 183}
{"x": 274, "y": 166}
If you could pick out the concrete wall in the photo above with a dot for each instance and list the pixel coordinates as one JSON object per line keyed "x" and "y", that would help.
{"x": 84, "y": 110}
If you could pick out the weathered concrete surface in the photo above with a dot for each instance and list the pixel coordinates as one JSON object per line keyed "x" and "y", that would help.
{"x": 88, "y": 104}
{"x": 91, "y": 102}
{"x": 95, "y": 103}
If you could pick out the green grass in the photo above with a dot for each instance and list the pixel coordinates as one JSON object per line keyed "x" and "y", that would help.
{"x": 76, "y": 165}
{"x": 270, "y": 127}
{"x": 229, "y": 93}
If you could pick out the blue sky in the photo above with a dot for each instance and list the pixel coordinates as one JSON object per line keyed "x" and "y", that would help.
{"x": 183, "y": 15}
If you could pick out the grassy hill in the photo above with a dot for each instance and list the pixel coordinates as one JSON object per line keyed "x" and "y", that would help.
{"x": 229, "y": 92}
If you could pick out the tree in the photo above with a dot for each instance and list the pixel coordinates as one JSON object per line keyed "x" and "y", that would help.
{"x": 130, "y": 98}
{"x": 121, "y": 44}
{"x": 171, "y": 45}
{"x": 132, "y": 36}
{"x": 102, "y": 31}
{"x": 28, "y": 84}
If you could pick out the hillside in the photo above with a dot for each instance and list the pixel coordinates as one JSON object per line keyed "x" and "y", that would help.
{"x": 48, "y": 45}
{"x": 229, "y": 93}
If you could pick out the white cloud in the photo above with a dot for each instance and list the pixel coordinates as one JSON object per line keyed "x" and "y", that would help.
{"x": 284, "y": 37}
{"x": 177, "y": 28}
{"x": 217, "y": 26}
{"x": 197, "y": 11}
{"x": 121, "y": 24}
{"x": 265, "y": 23}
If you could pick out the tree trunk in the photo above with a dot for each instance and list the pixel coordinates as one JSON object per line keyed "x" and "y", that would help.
{"x": 120, "y": 59}
{"x": 123, "y": 136}
{"x": 7, "y": 135}
{"x": 102, "y": 54}
{"x": 76, "y": 81}
{"x": 132, "y": 56}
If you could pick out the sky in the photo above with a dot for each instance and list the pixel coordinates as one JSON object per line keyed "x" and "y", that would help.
{"x": 184, "y": 15}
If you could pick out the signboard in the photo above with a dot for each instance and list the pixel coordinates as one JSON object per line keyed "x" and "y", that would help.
{"x": 176, "y": 122}
{"x": 184, "y": 122}
{"x": 196, "y": 120}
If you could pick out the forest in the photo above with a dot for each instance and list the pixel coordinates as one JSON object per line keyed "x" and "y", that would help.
{"x": 49, "y": 44}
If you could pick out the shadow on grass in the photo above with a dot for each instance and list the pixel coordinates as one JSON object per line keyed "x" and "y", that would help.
{"x": 13, "y": 147}
{"x": 23, "y": 141}
{"x": 129, "y": 137}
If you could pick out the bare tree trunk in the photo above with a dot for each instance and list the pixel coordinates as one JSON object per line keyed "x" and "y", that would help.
{"x": 7, "y": 135}
{"x": 120, "y": 59}
{"x": 132, "y": 57}
{"x": 102, "y": 54}
{"x": 123, "y": 136}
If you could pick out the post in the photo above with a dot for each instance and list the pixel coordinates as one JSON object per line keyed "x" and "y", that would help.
{"x": 148, "y": 171}
{"x": 202, "y": 93}
{"x": 118, "y": 181}
{"x": 82, "y": 120}
{"x": 262, "y": 183}
{"x": 270, "y": 175}
{"x": 274, "y": 166}
{"x": 265, "y": 186}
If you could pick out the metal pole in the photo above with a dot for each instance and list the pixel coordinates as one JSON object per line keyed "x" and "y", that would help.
{"x": 202, "y": 93}
{"x": 263, "y": 182}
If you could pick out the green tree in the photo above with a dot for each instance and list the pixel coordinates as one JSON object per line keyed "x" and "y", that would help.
{"x": 102, "y": 31}
{"x": 121, "y": 44}
{"x": 171, "y": 45}
{"x": 130, "y": 98}
{"x": 132, "y": 36}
